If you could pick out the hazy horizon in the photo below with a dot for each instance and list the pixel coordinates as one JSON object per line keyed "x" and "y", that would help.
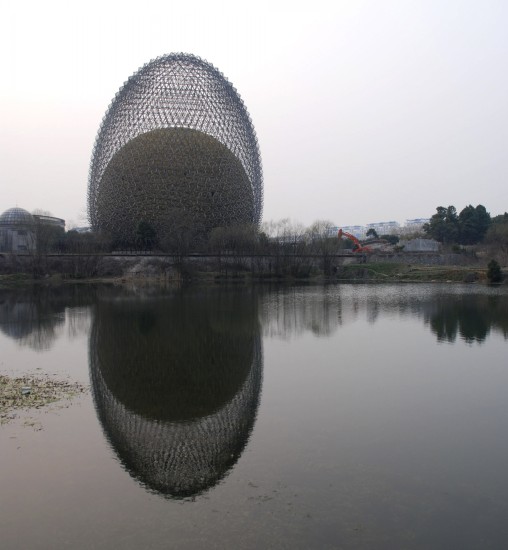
{"x": 365, "y": 111}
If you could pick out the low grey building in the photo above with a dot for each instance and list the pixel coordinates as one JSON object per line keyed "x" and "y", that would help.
{"x": 420, "y": 245}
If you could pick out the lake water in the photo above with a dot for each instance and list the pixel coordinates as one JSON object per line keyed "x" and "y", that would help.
{"x": 344, "y": 416}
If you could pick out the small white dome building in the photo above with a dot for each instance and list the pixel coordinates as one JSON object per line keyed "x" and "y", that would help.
{"x": 20, "y": 230}
{"x": 17, "y": 231}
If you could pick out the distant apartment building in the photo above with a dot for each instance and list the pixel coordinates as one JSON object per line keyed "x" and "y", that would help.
{"x": 417, "y": 223}
{"x": 414, "y": 226}
{"x": 359, "y": 231}
{"x": 384, "y": 228}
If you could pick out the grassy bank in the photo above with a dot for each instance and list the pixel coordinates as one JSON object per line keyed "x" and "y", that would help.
{"x": 399, "y": 272}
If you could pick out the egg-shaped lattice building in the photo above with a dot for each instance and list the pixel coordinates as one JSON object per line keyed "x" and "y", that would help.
{"x": 176, "y": 144}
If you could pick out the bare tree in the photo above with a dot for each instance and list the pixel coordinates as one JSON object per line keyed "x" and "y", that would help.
{"x": 181, "y": 233}
{"x": 323, "y": 241}
{"x": 235, "y": 241}
{"x": 288, "y": 246}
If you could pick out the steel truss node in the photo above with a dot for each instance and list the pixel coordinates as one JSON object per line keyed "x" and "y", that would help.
{"x": 176, "y": 138}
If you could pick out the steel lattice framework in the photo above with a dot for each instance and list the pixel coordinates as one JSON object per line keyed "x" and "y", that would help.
{"x": 176, "y": 137}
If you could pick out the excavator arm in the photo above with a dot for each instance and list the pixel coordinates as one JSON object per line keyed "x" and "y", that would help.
{"x": 357, "y": 245}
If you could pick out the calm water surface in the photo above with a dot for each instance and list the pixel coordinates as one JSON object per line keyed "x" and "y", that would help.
{"x": 312, "y": 417}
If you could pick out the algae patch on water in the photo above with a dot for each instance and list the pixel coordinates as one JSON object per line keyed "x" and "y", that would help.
{"x": 28, "y": 392}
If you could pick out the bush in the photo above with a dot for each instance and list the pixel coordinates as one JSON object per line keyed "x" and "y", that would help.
{"x": 494, "y": 274}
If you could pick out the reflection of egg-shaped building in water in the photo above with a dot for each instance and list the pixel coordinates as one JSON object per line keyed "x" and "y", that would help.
{"x": 176, "y": 383}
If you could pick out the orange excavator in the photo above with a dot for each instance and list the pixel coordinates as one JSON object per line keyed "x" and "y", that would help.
{"x": 357, "y": 245}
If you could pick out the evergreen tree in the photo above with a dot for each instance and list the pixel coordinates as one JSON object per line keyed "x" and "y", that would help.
{"x": 468, "y": 227}
{"x": 494, "y": 273}
{"x": 473, "y": 223}
{"x": 146, "y": 236}
{"x": 443, "y": 225}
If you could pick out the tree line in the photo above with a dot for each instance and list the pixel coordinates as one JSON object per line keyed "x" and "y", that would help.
{"x": 180, "y": 238}
{"x": 472, "y": 225}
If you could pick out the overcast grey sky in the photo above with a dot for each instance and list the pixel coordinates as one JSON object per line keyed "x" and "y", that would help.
{"x": 365, "y": 111}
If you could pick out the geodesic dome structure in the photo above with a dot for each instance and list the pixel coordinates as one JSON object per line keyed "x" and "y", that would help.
{"x": 176, "y": 140}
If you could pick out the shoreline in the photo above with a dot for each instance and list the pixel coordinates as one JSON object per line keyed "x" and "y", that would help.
{"x": 352, "y": 273}
{"x": 242, "y": 268}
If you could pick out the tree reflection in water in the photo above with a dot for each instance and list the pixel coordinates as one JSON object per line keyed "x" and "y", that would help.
{"x": 470, "y": 313}
{"x": 176, "y": 382}
{"x": 35, "y": 317}
{"x": 472, "y": 317}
